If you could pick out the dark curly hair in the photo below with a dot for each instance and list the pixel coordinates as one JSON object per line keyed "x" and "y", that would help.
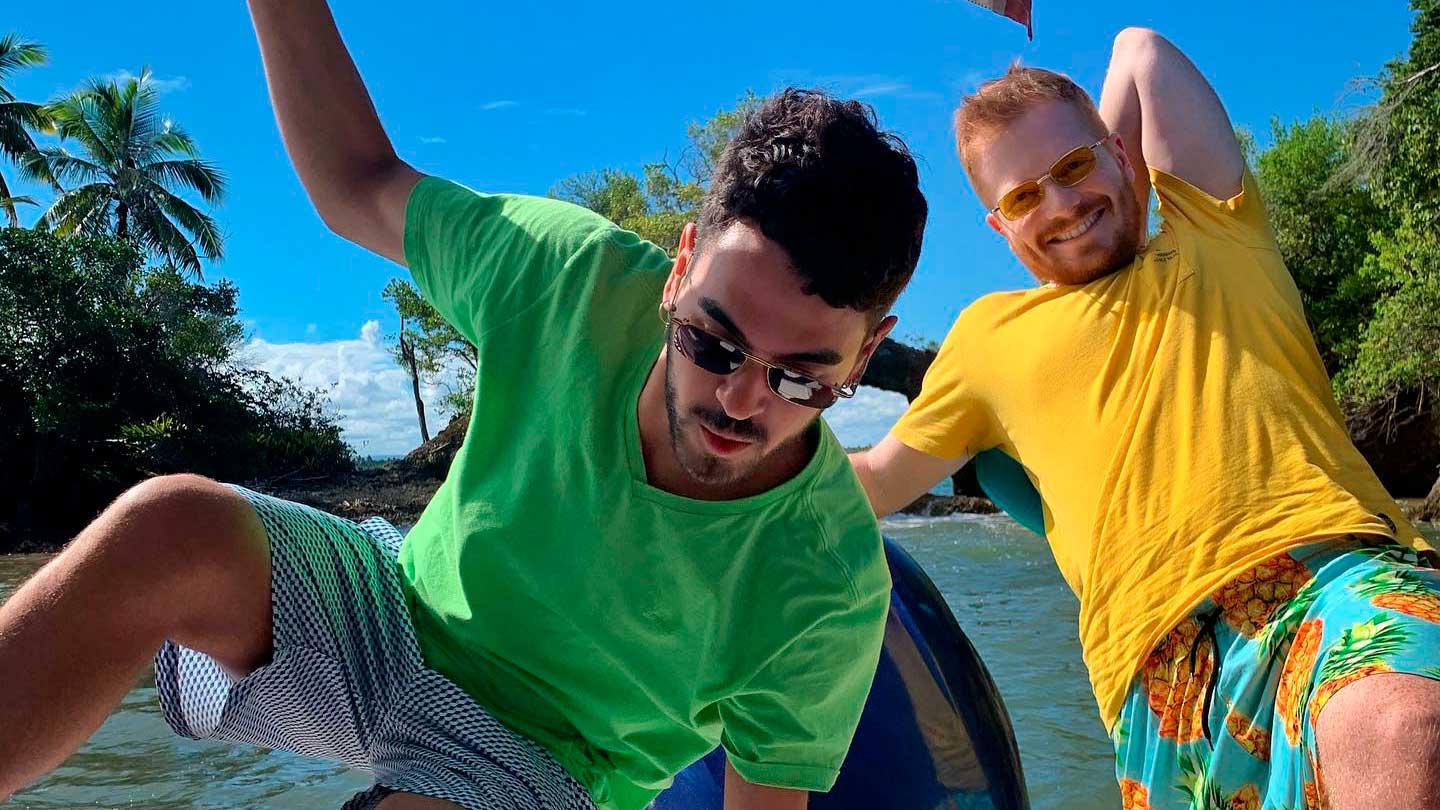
{"x": 820, "y": 179}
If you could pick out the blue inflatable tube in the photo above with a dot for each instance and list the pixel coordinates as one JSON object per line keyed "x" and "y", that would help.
{"x": 934, "y": 734}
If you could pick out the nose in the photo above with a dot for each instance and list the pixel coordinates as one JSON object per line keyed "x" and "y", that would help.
{"x": 742, "y": 393}
{"x": 1059, "y": 199}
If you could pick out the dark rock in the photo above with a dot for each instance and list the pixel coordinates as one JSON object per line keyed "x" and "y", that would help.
{"x": 1430, "y": 508}
{"x": 940, "y": 505}
{"x": 1400, "y": 438}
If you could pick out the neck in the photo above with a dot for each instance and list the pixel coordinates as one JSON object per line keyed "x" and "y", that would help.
{"x": 663, "y": 470}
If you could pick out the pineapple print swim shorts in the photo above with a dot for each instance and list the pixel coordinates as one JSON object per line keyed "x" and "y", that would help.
{"x": 1222, "y": 714}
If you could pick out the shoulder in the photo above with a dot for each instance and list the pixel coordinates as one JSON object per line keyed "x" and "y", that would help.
{"x": 846, "y": 537}
{"x": 1191, "y": 214}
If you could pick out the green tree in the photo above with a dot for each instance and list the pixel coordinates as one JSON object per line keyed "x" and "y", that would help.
{"x": 133, "y": 162}
{"x": 1398, "y": 154}
{"x": 111, "y": 371}
{"x": 1323, "y": 222}
{"x": 429, "y": 348}
{"x": 18, "y": 118}
{"x": 666, "y": 194}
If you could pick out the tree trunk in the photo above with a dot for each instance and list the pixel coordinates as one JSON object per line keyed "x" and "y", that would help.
{"x": 407, "y": 351}
{"x": 122, "y": 221}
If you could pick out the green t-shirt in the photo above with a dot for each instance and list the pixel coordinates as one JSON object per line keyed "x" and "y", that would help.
{"x": 624, "y": 628}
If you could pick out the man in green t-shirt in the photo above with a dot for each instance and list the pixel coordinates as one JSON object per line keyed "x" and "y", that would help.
{"x": 647, "y": 546}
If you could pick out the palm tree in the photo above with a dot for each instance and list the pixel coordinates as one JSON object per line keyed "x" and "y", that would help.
{"x": 17, "y": 118}
{"x": 131, "y": 158}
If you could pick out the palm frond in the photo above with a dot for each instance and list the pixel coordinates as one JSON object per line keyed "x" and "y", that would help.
{"x": 159, "y": 235}
{"x": 8, "y": 203}
{"x": 176, "y": 141}
{"x": 201, "y": 176}
{"x": 83, "y": 210}
{"x": 58, "y": 165}
{"x": 201, "y": 225}
{"x": 15, "y": 138}
{"x": 16, "y": 54}
{"x": 76, "y": 117}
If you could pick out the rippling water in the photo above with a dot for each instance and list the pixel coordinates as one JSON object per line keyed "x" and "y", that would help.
{"x": 998, "y": 579}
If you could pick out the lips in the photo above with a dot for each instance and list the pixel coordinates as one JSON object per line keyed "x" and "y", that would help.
{"x": 1080, "y": 228}
{"x": 722, "y": 444}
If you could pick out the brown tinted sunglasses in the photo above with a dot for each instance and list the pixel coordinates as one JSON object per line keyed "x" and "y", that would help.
{"x": 1073, "y": 167}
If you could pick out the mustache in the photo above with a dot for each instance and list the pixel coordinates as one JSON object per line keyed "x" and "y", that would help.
{"x": 718, "y": 421}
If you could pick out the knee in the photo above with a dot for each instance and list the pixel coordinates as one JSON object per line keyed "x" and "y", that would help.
{"x": 1400, "y": 729}
{"x": 175, "y": 520}
{"x": 1389, "y": 717}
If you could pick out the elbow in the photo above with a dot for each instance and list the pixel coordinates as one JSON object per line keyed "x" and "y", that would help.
{"x": 1138, "y": 45}
{"x": 350, "y": 204}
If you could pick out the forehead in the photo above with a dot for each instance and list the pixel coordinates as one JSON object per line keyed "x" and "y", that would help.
{"x": 1027, "y": 147}
{"x": 752, "y": 279}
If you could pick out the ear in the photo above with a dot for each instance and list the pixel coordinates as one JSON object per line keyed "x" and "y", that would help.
{"x": 680, "y": 267}
{"x": 1127, "y": 167}
{"x": 868, "y": 350}
{"x": 993, "y": 220}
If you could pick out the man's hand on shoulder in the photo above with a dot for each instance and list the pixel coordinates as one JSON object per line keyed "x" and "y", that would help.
{"x": 1168, "y": 115}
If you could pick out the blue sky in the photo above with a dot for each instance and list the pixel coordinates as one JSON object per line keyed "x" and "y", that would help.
{"x": 515, "y": 97}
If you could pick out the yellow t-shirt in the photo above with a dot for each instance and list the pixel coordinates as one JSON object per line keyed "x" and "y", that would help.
{"x": 1174, "y": 416}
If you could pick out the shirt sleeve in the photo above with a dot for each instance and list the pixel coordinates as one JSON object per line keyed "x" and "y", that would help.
{"x": 483, "y": 259}
{"x": 1187, "y": 210}
{"x": 949, "y": 419}
{"x": 792, "y": 725}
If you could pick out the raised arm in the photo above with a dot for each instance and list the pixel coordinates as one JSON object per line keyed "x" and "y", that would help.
{"x": 345, "y": 161}
{"x": 1168, "y": 116}
{"x": 894, "y": 474}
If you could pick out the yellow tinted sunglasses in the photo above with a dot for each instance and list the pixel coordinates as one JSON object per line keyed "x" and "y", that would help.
{"x": 1072, "y": 167}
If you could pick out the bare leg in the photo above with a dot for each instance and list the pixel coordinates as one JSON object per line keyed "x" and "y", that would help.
{"x": 178, "y": 557}
{"x": 1379, "y": 744}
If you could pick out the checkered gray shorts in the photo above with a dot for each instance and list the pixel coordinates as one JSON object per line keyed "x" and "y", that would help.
{"x": 346, "y": 681}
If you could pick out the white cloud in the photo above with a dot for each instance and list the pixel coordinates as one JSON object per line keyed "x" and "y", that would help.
{"x": 865, "y": 418}
{"x": 498, "y": 105}
{"x": 372, "y": 394}
{"x": 366, "y": 387}
{"x": 882, "y": 89}
{"x": 431, "y": 139}
{"x": 158, "y": 84}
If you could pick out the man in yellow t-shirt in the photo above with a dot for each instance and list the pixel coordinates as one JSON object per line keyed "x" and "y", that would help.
{"x": 1199, "y": 490}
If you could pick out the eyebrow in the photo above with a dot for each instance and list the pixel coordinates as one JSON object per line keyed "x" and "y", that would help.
{"x": 822, "y": 357}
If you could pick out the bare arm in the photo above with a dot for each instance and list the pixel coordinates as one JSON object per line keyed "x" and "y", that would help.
{"x": 1168, "y": 116}
{"x": 343, "y": 156}
{"x": 895, "y": 474}
{"x": 742, "y": 795}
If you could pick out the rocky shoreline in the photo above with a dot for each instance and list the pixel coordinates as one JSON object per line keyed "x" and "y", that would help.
{"x": 398, "y": 491}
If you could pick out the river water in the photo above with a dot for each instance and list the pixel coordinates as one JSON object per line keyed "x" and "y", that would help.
{"x": 1000, "y": 583}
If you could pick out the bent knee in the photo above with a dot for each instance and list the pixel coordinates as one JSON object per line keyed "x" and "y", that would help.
{"x": 1388, "y": 714}
{"x": 180, "y": 519}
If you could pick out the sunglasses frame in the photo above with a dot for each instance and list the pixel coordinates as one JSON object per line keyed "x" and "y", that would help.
{"x": 1049, "y": 175}
{"x": 670, "y": 319}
